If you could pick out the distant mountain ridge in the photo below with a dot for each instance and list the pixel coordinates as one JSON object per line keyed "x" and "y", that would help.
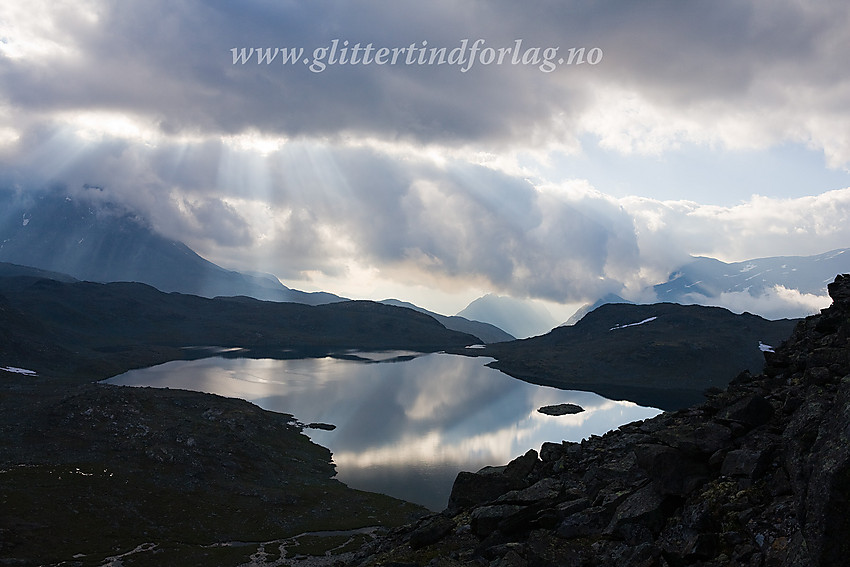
{"x": 12, "y": 270}
{"x": 710, "y": 277}
{"x": 588, "y": 307}
{"x": 749, "y": 285}
{"x": 485, "y": 331}
{"x": 518, "y": 317}
{"x": 47, "y": 324}
{"x": 105, "y": 243}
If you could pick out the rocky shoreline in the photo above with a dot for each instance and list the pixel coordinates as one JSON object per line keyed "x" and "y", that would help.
{"x": 758, "y": 475}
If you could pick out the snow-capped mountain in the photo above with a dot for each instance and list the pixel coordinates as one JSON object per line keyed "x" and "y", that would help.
{"x": 710, "y": 277}
{"x": 774, "y": 287}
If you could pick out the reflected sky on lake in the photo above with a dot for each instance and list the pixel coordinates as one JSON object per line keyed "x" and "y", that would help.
{"x": 404, "y": 427}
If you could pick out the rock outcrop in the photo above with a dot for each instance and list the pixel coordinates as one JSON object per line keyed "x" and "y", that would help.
{"x": 757, "y": 475}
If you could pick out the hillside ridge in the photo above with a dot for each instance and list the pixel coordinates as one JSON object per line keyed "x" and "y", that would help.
{"x": 666, "y": 363}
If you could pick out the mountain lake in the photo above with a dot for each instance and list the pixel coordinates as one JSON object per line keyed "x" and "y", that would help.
{"x": 406, "y": 422}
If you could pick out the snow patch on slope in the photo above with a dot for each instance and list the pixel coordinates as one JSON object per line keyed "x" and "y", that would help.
{"x": 15, "y": 370}
{"x": 633, "y": 324}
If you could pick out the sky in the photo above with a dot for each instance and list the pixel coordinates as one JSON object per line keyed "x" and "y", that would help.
{"x": 554, "y": 151}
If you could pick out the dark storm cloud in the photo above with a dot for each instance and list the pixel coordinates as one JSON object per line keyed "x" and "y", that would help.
{"x": 171, "y": 62}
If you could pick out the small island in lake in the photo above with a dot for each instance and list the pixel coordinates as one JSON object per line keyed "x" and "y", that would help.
{"x": 561, "y": 409}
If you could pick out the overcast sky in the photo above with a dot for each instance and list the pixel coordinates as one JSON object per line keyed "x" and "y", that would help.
{"x": 718, "y": 128}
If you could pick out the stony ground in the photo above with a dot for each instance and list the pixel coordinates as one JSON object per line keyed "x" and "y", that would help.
{"x": 166, "y": 477}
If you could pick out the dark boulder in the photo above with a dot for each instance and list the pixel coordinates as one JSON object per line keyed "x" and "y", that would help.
{"x": 473, "y": 489}
{"x": 645, "y": 507}
{"x": 749, "y": 464}
{"x": 750, "y": 411}
{"x": 839, "y": 290}
{"x": 431, "y": 530}
{"x": 485, "y": 519}
{"x": 673, "y": 471}
{"x": 543, "y": 491}
{"x": 521, "y": 467}
{"x": 583, "y": 523}
{"x": 551, "y": 452}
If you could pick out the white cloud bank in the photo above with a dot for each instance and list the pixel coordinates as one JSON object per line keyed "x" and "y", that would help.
{"x": 777, "y": 303}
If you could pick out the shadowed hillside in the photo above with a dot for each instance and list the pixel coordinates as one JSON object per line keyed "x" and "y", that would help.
{"x": 668, "y": 361}
{"x": 104, "y": 242}
{"x": 84, "y": 327}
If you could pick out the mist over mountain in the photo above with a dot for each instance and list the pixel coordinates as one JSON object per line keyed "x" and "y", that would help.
{"x": 777, "y": 287}
{"x": 774, "y": 287}
{"x": 484, "y": 331}
{"x": 588, "y": 307}
{"x": 520, "y": 318}
{"x": 103, "y": 242}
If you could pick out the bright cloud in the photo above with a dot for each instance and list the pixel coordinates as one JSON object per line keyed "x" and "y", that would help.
{"x": 777, "y": 303}
{"x": 761, "y": 226}
{"x": 423, "y": 175}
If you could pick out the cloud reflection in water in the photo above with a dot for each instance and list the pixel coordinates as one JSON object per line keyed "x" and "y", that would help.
{"x": 403, "y": 427}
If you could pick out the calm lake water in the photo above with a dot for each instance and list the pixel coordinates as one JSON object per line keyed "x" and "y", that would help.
{"x": 406, "y": 423}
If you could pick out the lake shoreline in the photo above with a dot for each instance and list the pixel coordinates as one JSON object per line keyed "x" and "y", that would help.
{"x": 405, "y": 425}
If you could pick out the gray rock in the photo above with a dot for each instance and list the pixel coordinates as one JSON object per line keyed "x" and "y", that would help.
{"x": 571, "y": 507}
{"x": 702, "y": 546}
{"x": 521, "y": 467}
{"x": 319, "y": 425}
{"x": 645, "y": 507}
{"x": 585, "y": 522}
{"x": 734, "y": 481}
{"x": 528, "y": 518}
{"x": 747, "y": 463}
{"x": 486, "y": 519}
{"x": 710, "y": 437}
{"x": 545, "y": 490}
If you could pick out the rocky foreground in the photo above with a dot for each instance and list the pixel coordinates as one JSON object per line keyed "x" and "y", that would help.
{"x": 757, "y": 475}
